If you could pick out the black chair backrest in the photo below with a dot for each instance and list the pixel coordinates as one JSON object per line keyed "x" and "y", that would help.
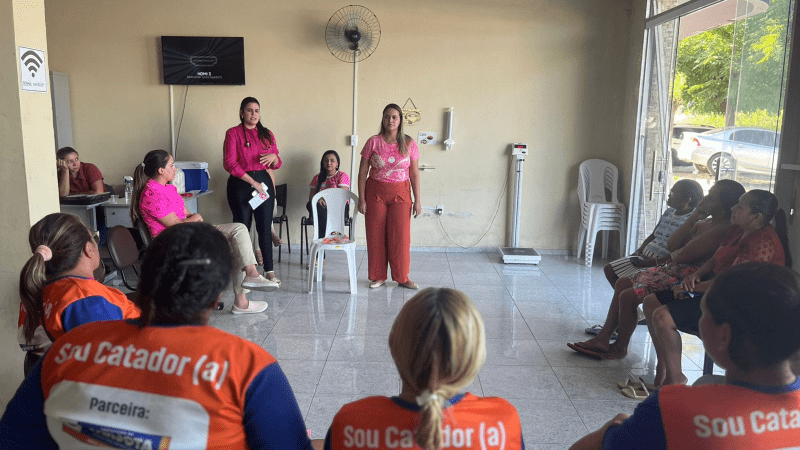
{"x": 122, "y": 247}
{"x": 144, "y": 232}
{"x": 280, "y": 197}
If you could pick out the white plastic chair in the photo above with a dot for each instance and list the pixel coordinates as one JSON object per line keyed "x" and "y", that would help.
{"x": 601, "y": 210}
{"x": 335, "y": 199}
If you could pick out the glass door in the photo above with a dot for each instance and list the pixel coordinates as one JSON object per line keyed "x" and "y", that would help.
{"x": 713, "y": 80}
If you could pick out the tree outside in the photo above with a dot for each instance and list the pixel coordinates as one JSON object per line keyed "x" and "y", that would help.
{"x": 710, "y": 88}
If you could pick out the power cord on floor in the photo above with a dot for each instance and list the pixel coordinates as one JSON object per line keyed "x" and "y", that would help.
{"x": 497, "y": 209}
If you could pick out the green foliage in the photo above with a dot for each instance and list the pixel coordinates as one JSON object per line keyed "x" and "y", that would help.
{"x": 704, "y": 62}
{"x": 760, "y": 118}
{"x": 706, "y": 80}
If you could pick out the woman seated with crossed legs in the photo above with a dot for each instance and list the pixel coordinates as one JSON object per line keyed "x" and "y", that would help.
{"x": 166, "y": 380}
{"x": 751, "y": 239}
{"x": 438, "y": 345}
{"x": 159, "y": 206}
{"x": 749, "y": 321}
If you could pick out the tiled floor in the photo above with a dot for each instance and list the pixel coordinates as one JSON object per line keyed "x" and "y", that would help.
{"x": 333, "y": 346}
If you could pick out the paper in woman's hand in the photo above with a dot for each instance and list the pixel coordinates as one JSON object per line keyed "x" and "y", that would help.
{"x": 258, "y": 199}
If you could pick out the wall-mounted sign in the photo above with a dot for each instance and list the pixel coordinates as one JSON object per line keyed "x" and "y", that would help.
{"x": 33, "y": 71}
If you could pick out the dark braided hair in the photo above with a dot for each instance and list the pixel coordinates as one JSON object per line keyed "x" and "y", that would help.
{"x": 765, "y": 203}
{"x": 184, "y": 271}
{"x": 263, "y": 132}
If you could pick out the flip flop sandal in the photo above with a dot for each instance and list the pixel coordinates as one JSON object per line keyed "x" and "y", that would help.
{"x": 650, "y": 386}
{"x": 630, "y": 383}
{"x": 636, "y": 394}
{"x": 594, "y": 330}
{"x": 585, "y": 351}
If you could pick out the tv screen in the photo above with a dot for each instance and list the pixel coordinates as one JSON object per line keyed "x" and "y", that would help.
{"x": 203, "y": 60}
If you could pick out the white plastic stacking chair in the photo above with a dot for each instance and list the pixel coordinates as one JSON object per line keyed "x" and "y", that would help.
{"x": 601, "y": 210}
{"x": 335, "y": 199}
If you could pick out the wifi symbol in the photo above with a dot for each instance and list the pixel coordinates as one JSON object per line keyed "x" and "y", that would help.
{"x": 32, "y": 61}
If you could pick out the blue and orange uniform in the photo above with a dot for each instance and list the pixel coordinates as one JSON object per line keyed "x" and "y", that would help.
{"x": 71, "y": 301}
{"x": 173, "y": 386}
{"x": 714, "y": 416}
{"x": 468, "y": 422}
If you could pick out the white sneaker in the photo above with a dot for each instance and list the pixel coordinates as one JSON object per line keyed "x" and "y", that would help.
{"x": 253, "y": 307}
{"x": 259, "y": 283}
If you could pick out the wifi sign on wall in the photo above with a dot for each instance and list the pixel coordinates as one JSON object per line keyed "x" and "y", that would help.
{"x": 33, "y": 71}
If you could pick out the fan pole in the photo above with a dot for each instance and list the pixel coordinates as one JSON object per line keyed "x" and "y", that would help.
{"x": 354, "y": 137}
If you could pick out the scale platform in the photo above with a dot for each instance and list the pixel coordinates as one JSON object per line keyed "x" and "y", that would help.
{"x": 518, "y": 255}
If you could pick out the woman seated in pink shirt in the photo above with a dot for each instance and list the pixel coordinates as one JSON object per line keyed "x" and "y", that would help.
{"x": 160, "y": 206}
{"x": 329, "y": 176}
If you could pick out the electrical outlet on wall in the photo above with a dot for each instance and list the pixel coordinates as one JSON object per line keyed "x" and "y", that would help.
{"x": 427, "y": 138}
{"x": 439, "y": 210}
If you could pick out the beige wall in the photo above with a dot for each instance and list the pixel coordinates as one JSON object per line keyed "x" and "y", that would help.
{"x": 555, "y": 74}
{"x": 27, "y": 170}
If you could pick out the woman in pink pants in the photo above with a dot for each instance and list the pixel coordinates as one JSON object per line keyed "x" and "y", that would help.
{"x": 389, "y": 171}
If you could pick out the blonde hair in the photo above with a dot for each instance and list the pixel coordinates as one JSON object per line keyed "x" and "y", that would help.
{"x": 438, "y": 344}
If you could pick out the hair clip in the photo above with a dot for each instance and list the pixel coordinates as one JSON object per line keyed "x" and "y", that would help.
{"x": 196, "y": 262}
{"x": 142, "y": 165}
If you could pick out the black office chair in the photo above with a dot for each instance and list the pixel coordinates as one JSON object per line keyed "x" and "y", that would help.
{"x": 144, "y": 232}
{"x": 124, "y": 253}
{"x": 280, "y": 199}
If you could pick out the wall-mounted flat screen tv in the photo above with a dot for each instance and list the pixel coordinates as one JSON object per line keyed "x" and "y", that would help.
{"x": 203, "y": 60}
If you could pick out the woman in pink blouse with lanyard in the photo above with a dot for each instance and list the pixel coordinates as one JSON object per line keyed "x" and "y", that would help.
{"x": 389, "y": 171}
{"x": 250, "y": 155}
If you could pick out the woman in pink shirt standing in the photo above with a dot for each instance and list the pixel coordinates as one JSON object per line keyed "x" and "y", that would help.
{"x": 389, "y": 171}
{"x": 250, "y": 155}
{"x": 159, "y": 205}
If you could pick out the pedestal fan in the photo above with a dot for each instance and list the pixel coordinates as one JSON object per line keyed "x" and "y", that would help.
{"x": 352, "y": 34}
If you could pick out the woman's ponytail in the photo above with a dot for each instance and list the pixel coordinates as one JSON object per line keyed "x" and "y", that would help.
{"x": 782, "y": 232}
{"x": 428, "y": 434}
{"x": 57, "y": 242}
{"x": 32, "y": 279}
{"x": 139, "y": 182}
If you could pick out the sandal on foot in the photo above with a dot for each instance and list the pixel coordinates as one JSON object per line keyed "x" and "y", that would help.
{"x": 274, "y": 279}
{"x": 637, "y": 384}
{"x": 585, "y": 351}
{"x": 630, "y": 383}
{"x": 409, "y": 285}
{"x": 594, "y": 330}
{"x": 253, "y": 307}
{"x": 276, "y": 240}
{"x": 377, "y": 284}
{"x": 636, "y": 394}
